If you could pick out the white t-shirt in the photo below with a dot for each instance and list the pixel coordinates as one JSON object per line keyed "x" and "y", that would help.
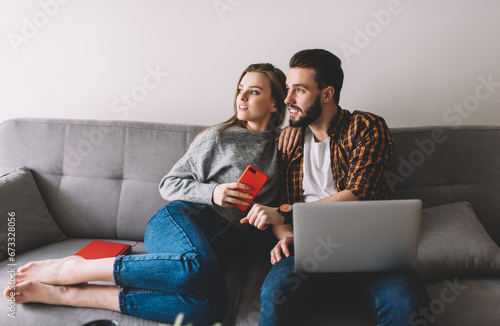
{"x": 318, "y": 178}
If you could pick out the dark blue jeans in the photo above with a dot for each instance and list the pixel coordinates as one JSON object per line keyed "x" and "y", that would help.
{"x": 286, "y": 294}
{"x": 180, "y": 272}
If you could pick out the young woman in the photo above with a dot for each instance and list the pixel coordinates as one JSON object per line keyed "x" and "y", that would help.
{"x": 180, "y": 272}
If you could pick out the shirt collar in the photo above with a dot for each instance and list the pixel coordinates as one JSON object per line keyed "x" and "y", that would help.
{"x": 337, "y": 120}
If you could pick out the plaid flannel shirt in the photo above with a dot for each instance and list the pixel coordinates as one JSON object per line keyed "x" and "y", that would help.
{"x": 360, "y": 148}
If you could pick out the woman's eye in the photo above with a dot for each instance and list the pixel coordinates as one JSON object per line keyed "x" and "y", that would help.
{"x": 255, "y": 92}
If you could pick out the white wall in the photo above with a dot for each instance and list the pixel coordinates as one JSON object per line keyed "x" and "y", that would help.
{"x": 413, "y": 62}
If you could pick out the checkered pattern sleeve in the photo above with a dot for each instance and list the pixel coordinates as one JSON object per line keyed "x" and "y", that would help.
{"x": 371, "y": 147}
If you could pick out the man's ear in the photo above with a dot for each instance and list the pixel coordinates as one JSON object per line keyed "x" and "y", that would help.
{"x": 328, "y": 93}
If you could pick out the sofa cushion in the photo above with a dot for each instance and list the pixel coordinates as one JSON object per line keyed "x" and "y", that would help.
{"x": 462, "y": 300}
{"x": 28, "y": 223}
{"x": 453, "y": 242}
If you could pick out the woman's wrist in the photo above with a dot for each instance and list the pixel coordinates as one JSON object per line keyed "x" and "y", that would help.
{"x": 213, "y": 195}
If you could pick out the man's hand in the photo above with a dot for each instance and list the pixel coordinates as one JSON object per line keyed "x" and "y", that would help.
{"x": 225, "y": 195}
{"x": 289, "y": 137}
{"x": 281, "y": 248}
{"x": 262, "y": 216}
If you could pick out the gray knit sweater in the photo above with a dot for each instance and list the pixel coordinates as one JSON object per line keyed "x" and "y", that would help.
{"x": 208, "y": 163}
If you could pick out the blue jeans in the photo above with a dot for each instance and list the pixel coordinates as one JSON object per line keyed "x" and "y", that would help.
{"x": 180, "y": 272}
{"x": 287, "y": 294}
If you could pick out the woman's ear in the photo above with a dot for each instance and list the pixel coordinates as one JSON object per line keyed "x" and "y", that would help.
{"x": 274, "y": 108}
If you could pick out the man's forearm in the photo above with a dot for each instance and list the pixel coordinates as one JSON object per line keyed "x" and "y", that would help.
{"x": 283, "y": 231}
{"x": 344, "y": 195}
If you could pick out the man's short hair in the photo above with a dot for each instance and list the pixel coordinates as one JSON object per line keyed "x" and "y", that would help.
{"x": 326, "y": 65}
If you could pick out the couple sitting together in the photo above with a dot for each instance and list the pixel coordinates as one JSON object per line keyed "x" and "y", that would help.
{"x": 327, "y": 154}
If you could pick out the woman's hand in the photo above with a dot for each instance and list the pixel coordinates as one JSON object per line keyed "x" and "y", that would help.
{"x": 226, "y": 195}
{"x": 289, "y": 137}
{"x": 261, "y": 216}
{"x": 281, "y": 249}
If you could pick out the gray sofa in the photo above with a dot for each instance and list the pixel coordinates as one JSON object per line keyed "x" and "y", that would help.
{"x": 99, "y": 180}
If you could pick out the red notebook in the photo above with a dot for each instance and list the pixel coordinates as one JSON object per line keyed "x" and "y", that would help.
{"x": 103, "y": 249}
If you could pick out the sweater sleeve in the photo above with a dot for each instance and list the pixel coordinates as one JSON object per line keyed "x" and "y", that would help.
{"x": 186, "y": 180}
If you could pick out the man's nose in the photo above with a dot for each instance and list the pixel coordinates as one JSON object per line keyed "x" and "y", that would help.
{"x": 289, "y": 99}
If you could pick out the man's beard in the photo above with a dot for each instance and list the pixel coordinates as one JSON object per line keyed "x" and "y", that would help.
{"x": 309, "y": 115}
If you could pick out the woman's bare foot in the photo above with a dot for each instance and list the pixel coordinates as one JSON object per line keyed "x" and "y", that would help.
{"x": 67, "y": 271}
{"x": 85, "y": 295}
{"x": 54, "y": 271}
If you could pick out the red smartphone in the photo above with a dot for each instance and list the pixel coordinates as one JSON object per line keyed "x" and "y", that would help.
{"x": 254, "y": 178}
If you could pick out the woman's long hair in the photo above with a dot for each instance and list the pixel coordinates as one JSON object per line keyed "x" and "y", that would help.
{"x": 277, "y": 79}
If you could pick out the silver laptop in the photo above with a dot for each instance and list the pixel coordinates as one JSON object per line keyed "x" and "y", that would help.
{"x": 356, "y": 236}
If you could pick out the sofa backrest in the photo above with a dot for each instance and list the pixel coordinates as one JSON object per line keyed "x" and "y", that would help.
{"x": 448, "y": 164}
{"x": 100, "y": 178}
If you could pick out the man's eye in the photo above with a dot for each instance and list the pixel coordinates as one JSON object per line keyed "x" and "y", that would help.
{"x": 300, "y": 90}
